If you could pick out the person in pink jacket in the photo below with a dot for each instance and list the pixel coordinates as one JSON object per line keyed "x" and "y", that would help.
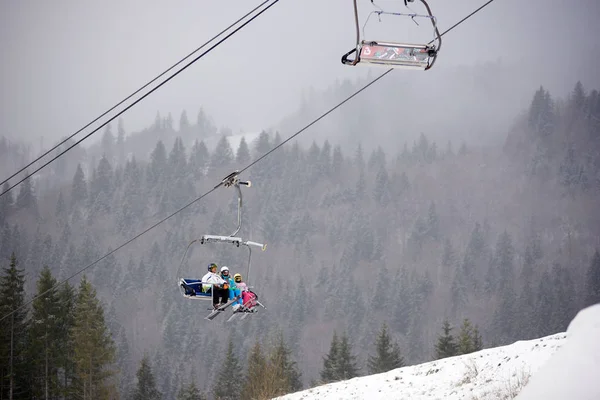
{"x": 248, "y": 300}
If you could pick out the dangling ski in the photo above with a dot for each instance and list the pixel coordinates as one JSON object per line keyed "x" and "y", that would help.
{"x": 222, "y": 308}
{"x": 245, "y": 312}
{"x": 234, "y": 315}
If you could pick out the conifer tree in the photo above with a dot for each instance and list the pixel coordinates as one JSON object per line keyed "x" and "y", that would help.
{"x": 78, "y": 187}
{"x": 377, "y": 159}
{"x": 501, "y": 273}
{"x": 578, "y": 96}
{"x": 242, "y": 156}
{"x": 477, "y": 339}
{"x": 314, "y": 152}
{"x": 184, "y": 123}
{"x": 108, "y": 142}
{"x": 433, "y": 223}
{"x": 26, "y": 198}
{"x": 146, "y": 383}
{"x": 158, "y": 164}
{"x": 381, "y": 191}
{"x": 338, "y": 161}
{"x": 535, "y": 109}
{"x": 387, "y": 356}
{"x": 286, "y": 377}
{"x": 223, "y": 154}
{"x": 94, "y": 351}
{"x": 199, "y": 158}
{"x": 256, "y": 373}
{"x": 262, "y": 144}
{"x": 347, "y": 367}
{"x": 191, "y": 392}
{"x": 60, "y": 206}
{"x": 66, "y": 350}
{"x": 469, "y": 339}
{"x": 168, "y": 123}
{"x": 359, "y": 159}
{"x": 331, "y": 361}
{"x": 177, "y": 160}
{"x": 120, "y": 142}
{"x": 6, "y": 202}
{"x": 448, "y": 257}
{"x": 13, "y": 333}
{"x": 44, "y": 338}
{"x": 324, "y": 163}
{"x": 204, "y": 124}
{"x": 228, "y": 383}
{"x": 446, "y": 345}
{"x": 361, "y": 185}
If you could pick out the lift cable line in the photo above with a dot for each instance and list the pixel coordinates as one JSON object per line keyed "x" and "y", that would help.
{"x": 133, "y": 94}
{"x": 354, "y": 94}
{"x": 218, "y": 185}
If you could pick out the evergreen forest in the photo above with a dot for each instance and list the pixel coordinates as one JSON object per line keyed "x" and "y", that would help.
{"x": 375, "y": 259}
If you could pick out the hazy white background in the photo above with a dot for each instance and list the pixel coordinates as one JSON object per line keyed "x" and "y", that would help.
{"x": 65, "y": 62}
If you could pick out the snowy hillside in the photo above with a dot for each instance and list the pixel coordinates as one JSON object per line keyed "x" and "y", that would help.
{"x": 498, "y": 373}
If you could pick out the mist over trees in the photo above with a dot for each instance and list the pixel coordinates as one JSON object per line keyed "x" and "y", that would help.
{"x": 369, "y": 253}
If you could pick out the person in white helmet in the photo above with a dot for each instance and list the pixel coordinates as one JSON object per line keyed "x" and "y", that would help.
{"x": 229, "y": 281}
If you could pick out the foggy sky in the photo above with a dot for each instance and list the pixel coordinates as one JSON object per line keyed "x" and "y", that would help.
{"x": 65, "y": 62}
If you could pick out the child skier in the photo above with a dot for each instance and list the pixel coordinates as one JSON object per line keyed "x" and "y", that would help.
{"x": 249, "y": 298}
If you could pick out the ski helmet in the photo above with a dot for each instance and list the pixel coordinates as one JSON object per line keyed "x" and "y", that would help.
{"x": 224, "y": 268}
{"x": 237, "y": 277}
{"x": 211, "y": 266}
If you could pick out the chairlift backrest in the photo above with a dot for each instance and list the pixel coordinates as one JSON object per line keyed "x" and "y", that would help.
{"x": 396, "y": 55}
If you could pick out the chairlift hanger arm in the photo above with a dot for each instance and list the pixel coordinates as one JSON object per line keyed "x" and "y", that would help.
{"x": 437, "y": 32}
{"x": 355, "y": 49}
{"x": 233, "y": 180}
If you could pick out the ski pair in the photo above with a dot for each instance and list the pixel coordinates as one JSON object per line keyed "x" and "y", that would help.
{"x": 246, "y": 313}
{"x": 221, "y": 308}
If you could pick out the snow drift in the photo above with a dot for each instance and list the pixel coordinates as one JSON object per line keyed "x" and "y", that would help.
{"x": 574, "y": 371}
{"x": 560, "y": 366}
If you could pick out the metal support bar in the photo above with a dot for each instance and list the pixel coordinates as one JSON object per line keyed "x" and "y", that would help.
{"x": 216, "y": 238}
{"x": 237, "y": 186}
{"x": 345, "y": 59}
{"x": 233, "y": 180}
{"x": 248, "y": 244}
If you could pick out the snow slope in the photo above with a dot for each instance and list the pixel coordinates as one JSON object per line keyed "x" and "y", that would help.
{"x": 574, "y": 371}
{"x": 559, "y": 365}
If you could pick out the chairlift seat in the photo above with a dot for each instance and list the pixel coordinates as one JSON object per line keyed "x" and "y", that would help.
{"x": 396, "y": 55}
{"x": 192, "y": 289}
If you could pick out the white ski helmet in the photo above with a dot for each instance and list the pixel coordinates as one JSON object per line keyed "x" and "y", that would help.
{"x": 224, "y": 268}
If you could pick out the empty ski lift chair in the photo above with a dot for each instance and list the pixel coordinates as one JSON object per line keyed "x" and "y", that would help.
{"x": 393, "y": 54}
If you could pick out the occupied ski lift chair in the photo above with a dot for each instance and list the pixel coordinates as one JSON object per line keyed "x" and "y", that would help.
{"x": 391, "y": 54}
{"x": 192, "y": 288}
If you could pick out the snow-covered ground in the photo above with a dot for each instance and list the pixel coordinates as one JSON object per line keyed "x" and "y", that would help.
{"x": 560, "y": 366}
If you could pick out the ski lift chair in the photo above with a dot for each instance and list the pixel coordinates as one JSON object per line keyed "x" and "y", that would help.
{"x": 392, "y": 54}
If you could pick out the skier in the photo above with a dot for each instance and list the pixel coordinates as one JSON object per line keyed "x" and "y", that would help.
{"x": 239, "y": 288}
{"x": 219, "y": 292}
{"x": 249, "y": 298}
{"x": 230, "y": 285}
